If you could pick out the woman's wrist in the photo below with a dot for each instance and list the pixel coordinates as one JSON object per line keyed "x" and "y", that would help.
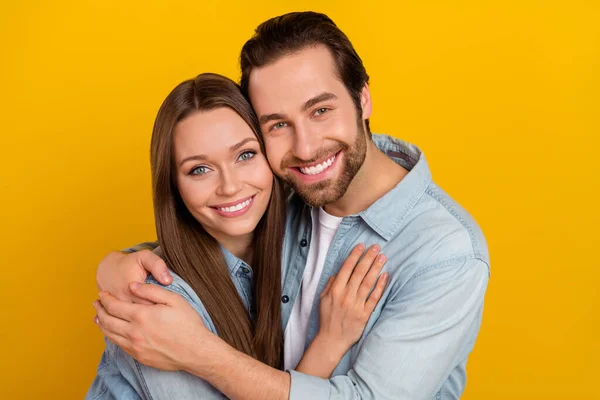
{"x": 333, "y": 348}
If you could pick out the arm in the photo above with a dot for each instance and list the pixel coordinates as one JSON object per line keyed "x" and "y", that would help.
{"x": 121, "y": 377}
{"x": 142, "y": 331}
{"x": 424, "y": 331}
{"x": 345, "y": 307}
{"x": 420, "y": 336}
{"x": 110, "y": 383}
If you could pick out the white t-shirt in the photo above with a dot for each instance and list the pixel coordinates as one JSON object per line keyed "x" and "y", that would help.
{"x": 324, "y": 227}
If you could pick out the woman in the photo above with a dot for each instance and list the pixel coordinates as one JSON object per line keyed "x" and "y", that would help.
{"x": 218, "y": 211}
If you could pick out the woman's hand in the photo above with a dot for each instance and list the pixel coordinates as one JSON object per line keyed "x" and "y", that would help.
{"x": 161, "y": 335}
{"x": 346, "y": 305}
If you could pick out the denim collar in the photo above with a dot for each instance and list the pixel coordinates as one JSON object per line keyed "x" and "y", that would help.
{"x": 233, "y": 263}
{"x": 403, "y": 197}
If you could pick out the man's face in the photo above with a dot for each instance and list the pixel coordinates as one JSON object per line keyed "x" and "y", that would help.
{"x": 314, "y": 137}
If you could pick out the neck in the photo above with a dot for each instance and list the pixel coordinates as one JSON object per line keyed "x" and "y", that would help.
{"x": 377, "y": 176}
{"x": 239, "y": 246}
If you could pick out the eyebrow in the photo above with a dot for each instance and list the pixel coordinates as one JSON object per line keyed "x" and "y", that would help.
{"x": 325, "y": 96}
{"x": 204, "y": 157}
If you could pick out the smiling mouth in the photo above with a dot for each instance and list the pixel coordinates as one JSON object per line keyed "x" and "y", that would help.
{"x": 318, "y": 168}
{"x": 231, "y": 208}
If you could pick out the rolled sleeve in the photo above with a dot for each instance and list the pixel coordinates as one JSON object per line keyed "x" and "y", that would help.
{"x": 142, "y": 246}
{"x": 424, "y": 331}
{"x": 305, "y": 386}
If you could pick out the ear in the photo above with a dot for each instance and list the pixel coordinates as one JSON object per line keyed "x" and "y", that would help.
{"x": 365, "y": 102}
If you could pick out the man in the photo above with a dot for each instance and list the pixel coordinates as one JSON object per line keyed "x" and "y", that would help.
{"x": 310, "y": 91}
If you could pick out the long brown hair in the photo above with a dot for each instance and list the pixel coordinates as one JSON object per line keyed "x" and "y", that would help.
{"x": 195, "y": 255}
{"x": 295, "y": 31}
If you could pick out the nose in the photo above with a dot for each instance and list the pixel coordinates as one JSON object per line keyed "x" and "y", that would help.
{"x": 306, "y": 143}
{"x": 230, "y": 183}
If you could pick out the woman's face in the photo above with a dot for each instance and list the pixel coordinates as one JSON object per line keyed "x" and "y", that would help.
{"x": 222, "y": 175}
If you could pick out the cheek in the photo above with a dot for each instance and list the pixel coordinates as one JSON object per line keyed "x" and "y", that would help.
{"x": 276, "y": 149}
{"x": 263, "y": 176}
{"x": 193, "y": 194}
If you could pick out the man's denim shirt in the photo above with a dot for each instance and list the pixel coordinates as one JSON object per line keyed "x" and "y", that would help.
{"x": 416, "y": 343}
{"x": 120, "y": 377}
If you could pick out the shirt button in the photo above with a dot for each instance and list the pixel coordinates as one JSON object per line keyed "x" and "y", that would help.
{"x": 303, "y": 242}
{"x": 245, "y": 270}
{"x": 285, "y": 298}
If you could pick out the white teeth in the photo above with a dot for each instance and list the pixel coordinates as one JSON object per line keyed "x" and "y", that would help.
{"x": 237, "y": 207}
{"x": 317, "y": 169}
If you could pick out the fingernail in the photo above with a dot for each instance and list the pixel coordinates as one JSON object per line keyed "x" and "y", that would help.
{"x": 385, "y": 277}
{"x": 100, "y": 294}
{"x": 381, "y": 258}
{"x": 166, "y": 277}
{"x": 135, "y": 285}
{"x": 95, "y": 303}
{"x": 375, "y": 248}
{"x": 96, "y": 320}
{"x": 361, "y": 247}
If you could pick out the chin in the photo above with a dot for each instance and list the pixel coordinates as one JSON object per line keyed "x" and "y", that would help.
{"x": 240, "y": 230}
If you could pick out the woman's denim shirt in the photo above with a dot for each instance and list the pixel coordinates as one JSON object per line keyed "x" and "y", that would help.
{"x": 121, "y": 377}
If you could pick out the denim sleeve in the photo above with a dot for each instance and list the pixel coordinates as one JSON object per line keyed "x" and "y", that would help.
{"x": 121, "y": 377}
{"x": 111, "y": 382}
{"x": 424, "y": 331}
{"x": 177, "y": 385}
{"x": 142, "y": 246}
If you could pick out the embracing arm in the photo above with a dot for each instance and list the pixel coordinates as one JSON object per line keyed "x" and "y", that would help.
{"x": 142, "y": 331}
{"x": 424, "y": 331}
{"x": 420, "y": 336}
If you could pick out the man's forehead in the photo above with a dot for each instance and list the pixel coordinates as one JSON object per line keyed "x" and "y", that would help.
{"x": 315, "y": 61}
{"x": 298, "y": 76}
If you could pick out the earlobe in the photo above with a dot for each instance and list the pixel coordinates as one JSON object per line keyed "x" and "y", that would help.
{"x": 365, "y": 102}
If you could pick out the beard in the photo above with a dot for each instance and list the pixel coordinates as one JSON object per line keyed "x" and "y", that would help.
{"x": 330, "y": 190}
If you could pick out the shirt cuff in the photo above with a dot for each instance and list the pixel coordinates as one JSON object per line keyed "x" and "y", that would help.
{"x": 142, "y": 246}
{"x": 303, "y": 386}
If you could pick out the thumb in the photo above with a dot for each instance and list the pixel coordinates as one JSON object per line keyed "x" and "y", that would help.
{"x": 155, "y": 266}
{"x": 153, "y": 293}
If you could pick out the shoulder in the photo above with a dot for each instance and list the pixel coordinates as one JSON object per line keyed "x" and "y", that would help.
{"x": 438, "y": 231}
{"x": 182, "y": 288}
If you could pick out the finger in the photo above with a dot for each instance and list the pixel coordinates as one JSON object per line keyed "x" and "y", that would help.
{"x": 362, "y": 268}
{"x": 369, "y": 280}
{"x": 138, "y": 300}
{"x": 328, "y": 286}
{"x": 118, "y": 308}
{"x": 348, "y": 266}
{"x": 117, "y": 339}
{"x": 154, "y": 265}
{"x": 107, "y": 323}
{"x": 154, "y": 293}
{"x": 376, "y": 293}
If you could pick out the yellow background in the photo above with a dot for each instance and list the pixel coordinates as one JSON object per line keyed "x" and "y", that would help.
{"x": 503, "y": 97}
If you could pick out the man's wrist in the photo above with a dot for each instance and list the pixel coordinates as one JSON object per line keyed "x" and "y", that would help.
{"x": 205, "y": 356}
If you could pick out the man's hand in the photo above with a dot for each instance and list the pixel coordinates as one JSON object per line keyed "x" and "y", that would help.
{"x": 117, "y": 270}
{"x": 160, "y": 335}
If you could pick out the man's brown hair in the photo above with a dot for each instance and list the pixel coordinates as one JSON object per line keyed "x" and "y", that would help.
{"x": 296, "y": 31}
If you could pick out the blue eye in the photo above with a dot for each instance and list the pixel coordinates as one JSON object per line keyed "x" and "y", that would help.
{"x": 247, "y": 155}
{"x": 321, "y": 111}
{"x": 201, "y": 170}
